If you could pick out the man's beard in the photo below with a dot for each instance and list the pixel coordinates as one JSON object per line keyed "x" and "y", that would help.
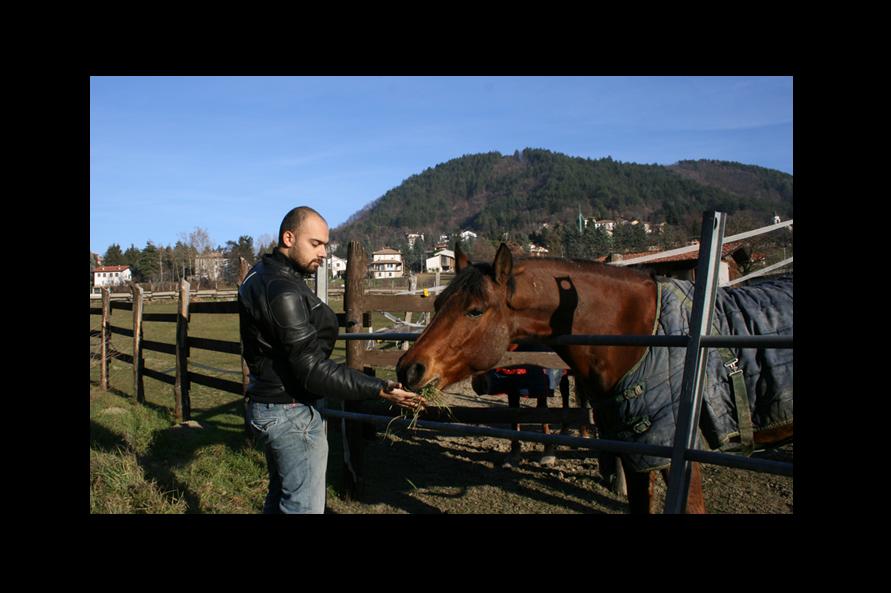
{"x": 308, "y": 269}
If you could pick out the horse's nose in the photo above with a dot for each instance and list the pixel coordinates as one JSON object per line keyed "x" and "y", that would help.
{"x": 411, "y": 375}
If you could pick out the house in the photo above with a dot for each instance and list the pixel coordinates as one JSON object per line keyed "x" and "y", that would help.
{"x": 412, "y": 238}
{"x": 537, "y": 250}
{"x": 211, "y": 266}
{"x": 337, "y": 265}
{"x": 442, "y": 261}
{"x": 683, "y": 267}
{"x": 105, "y": 276}
{"x": 465, "y": 235}
{"x": 386, "y": 263}
{"x": 607, "y": 225}
{"x": 654, "y": 228}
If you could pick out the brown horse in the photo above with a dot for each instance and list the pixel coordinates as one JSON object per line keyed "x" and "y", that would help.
{"x": 487, "y": 307}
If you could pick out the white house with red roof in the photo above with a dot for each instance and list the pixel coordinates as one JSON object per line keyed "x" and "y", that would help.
{"x": 104, "y": 276}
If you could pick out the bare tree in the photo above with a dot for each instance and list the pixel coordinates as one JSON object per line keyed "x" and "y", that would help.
{"x": 200, "y": 241}
{"x": 265, "y": 243}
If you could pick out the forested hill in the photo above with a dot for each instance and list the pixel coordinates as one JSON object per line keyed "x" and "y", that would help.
{"x": 492, "y": 194}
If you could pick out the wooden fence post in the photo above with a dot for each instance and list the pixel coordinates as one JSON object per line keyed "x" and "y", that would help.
{"x": 138, "y": 362}
{"x": 183, "y": 409}
{"x": 353, "y": 306}
{"x": 104, "y": 341}
{"x": 244, "y": 269}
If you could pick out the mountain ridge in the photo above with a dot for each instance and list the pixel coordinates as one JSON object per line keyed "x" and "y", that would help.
{"x": 493, "y": 194}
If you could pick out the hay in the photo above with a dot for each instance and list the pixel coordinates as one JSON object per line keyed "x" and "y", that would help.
{"x": 433, "y": 397}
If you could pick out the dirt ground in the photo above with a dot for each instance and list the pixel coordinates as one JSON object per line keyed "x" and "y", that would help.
{"x": 421, "y": 471}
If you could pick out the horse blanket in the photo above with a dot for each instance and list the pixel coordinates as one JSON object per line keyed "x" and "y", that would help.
{"x": 647, "y": 397}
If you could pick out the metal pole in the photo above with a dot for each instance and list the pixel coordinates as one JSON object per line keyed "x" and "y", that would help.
{"x": 322, "y": 281}
{"x": 690, "y": 403}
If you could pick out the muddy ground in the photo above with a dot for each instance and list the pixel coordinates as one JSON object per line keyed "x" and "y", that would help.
{"x": 421, "y": 471}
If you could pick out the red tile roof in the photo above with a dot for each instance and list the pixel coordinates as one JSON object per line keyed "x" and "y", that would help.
{"x": 111, "y": 268}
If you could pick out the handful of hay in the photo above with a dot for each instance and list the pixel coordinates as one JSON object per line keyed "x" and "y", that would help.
{"x": 433, "y": 397}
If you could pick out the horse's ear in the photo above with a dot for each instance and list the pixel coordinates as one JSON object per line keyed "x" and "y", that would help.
{"x": 461, "y": 260}
{"x": 504, "y": 264}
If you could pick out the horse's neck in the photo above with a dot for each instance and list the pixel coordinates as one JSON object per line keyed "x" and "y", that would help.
{"x": 556, "y": 297}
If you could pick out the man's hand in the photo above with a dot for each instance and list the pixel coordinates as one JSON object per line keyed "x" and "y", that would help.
{"x": 405, "y": 399}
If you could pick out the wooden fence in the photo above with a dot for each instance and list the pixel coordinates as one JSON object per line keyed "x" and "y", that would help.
{"x": 167, "y": 295}
{"x": 181, "y": 349}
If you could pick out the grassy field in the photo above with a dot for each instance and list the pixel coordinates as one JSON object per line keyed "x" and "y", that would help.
{"x": 140, "y": 462}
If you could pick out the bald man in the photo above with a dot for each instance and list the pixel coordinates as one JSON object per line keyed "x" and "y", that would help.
{"x": 287, "y": 335}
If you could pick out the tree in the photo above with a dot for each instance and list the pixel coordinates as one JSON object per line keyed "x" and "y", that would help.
{"x": 597, "y": 242}
{"x": 591, "y": 244}
{"x": 182, "y": 260}
{"x": 131, "y": 258}
{"x": 266, "y": 244}
{"x": 417, "y": 256}
{"x": 114, "y": 256}
{"x": 168, "y": 265}
{"x": 672, "y": 236}
{"x": 481, "y": 250}
{"x": 149, "y": 262}
{"x": 629, "y": 238}
{"x": 236, "y": 250}
{"x": 200, "y": 241}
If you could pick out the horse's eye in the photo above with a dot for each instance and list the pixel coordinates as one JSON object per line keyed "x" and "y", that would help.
{"x": 474, "y": 313}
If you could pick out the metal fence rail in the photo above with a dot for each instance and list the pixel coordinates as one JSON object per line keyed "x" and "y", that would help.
{"x": 713, "y": 457}
{"x": 606, "y": 340}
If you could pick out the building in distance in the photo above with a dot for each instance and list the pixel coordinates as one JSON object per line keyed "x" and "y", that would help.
{"x": 442, "y": 261}
{"x": 386, "y": 263}
{"x": 109, "y": 276}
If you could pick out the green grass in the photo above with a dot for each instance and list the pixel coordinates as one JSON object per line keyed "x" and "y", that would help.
{"x": 140, "y": 462}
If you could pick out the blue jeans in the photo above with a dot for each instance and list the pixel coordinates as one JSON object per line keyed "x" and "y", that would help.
{"x": 293, "y": 437}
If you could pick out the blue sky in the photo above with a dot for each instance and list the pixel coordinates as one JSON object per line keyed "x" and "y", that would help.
{"x": 233, "y": 154}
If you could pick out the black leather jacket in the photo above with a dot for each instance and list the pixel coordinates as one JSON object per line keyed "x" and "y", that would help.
{"x": 287, "y": 335}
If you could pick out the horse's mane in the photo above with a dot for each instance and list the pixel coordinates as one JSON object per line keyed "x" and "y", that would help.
{"x": 470, "y": 280}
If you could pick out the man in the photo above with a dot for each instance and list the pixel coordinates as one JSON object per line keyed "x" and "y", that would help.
{"x": 287, "y": 335}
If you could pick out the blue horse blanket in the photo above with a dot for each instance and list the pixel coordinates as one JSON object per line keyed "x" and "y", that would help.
{"x": 647, "y": 397}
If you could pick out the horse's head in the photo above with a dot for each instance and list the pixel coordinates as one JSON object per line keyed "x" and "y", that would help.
{"x": 471, "y": 326}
